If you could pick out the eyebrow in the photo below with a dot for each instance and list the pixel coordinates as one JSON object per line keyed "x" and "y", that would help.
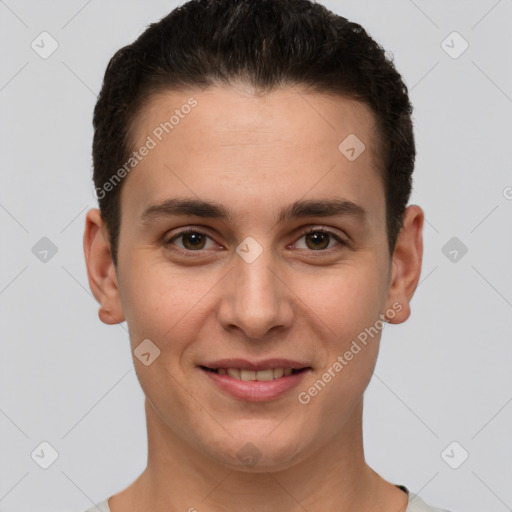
{"x": 212, "y": 210}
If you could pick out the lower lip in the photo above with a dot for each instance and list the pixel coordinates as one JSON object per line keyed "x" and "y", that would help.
{"x": 256, "y": 390}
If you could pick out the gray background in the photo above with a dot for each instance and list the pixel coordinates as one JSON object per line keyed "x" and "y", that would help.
{"x": 443, "y": 376}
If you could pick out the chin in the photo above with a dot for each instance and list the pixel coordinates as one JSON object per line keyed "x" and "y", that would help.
{"x": 259, "y": 454}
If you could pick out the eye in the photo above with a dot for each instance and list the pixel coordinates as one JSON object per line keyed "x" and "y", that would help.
{"x": 319, "y": 239}
{"x": 191, "y": 240}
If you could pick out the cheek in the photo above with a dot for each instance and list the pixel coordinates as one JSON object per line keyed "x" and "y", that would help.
{"x": 347, "y": 307}
{"x": 160, "y": 302}
{"x": 347, "y": 310}
{"x": 165, "y": 307}
{"x": 346, "y": 300}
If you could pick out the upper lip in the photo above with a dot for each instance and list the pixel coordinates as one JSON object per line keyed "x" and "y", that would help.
{"x": 244, "y": 364}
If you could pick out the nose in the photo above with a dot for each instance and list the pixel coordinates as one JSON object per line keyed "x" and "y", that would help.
{"x": 256, "y": 298}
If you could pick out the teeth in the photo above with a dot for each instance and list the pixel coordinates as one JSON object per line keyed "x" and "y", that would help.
{"x": 247, "y": 375}
{"x": 261, "y": 375}
{"x": 265, "y": 374}
{"x": 278, "y": 373}
{"x": 234, "y": 372}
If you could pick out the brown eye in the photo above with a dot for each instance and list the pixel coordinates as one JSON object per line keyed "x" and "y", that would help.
{"x": 320, "y": 240}
{"x": 317, "y": 240}
{"x": 191, "y": 241}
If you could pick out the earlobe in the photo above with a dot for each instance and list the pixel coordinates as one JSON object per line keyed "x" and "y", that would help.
{"x": 101, "y": 272}
{"x": 406, "y": 264}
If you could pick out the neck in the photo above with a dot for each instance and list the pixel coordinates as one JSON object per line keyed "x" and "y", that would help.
{"x": 334, "y": 477}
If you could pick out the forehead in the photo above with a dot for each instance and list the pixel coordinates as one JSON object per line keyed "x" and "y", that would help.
{"x": 288, "y": 114}
{"x": 281, "y": 146}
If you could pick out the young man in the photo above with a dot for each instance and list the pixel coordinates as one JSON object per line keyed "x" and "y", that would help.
{"x": 253, "y": 162}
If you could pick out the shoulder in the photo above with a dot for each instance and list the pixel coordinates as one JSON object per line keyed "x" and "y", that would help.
{"x": 416, "y": 504}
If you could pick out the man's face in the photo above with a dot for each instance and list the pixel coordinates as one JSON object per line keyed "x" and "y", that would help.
{"x": 251, "y": 285}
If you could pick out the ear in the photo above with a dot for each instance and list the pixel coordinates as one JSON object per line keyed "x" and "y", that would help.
{"x": 101, "y": 271}
{"x": 406, "y": 265}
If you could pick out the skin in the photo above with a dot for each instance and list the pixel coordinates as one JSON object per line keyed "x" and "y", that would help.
{"x": 300, "y": 299}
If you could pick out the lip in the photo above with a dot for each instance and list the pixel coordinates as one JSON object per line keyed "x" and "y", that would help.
{"x": 254, "y": 390}
{"x": 244, "y": 364}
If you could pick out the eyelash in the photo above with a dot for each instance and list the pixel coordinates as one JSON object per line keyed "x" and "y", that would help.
{"x": 189, "y": 253}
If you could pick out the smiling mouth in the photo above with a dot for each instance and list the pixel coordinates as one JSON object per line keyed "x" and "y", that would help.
{"x": 252, "y": 375}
